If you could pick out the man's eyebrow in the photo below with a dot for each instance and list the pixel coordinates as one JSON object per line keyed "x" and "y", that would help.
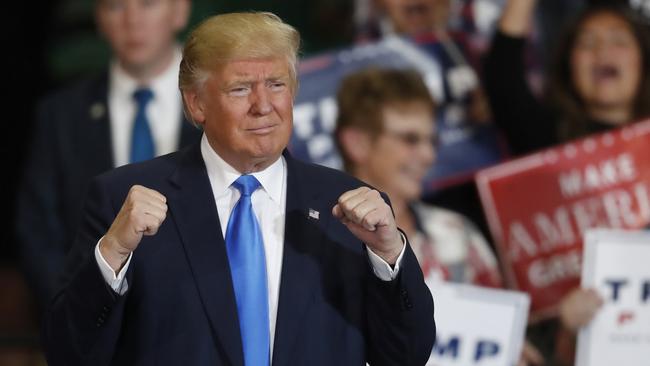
{"x": 278, "y": 78}
{"x": 245, "y": 80}
{"x": 238, "y": 82}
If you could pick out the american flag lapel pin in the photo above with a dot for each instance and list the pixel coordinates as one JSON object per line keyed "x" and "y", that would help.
{"x": 313, "y": 214}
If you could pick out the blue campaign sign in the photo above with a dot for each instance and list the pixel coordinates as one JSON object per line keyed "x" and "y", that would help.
{"x": 469, "y": 141}
{"x": 315, "y": 107}
{"x": 465, "y": 145}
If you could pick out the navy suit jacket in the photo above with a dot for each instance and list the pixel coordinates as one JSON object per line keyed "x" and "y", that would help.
{"x": 71, "y": 145}
{"x": 180, "y": 308}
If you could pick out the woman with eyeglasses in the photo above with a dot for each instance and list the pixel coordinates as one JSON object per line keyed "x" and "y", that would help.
{"x": 387, "y": 137}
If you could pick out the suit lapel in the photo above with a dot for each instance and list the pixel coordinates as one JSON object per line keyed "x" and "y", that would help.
{"x": 94, "y": 130}
{"x": 194, "y": 211}
{"x": 198, "y": 224}
{"x": 300, "y": 269}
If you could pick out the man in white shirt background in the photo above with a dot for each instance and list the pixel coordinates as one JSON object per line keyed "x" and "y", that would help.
{"x": 90, "y": 127}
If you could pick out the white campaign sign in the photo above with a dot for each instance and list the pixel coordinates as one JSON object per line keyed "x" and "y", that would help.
{"x": 617, "y": 264}
{"x": 478, "y": 326}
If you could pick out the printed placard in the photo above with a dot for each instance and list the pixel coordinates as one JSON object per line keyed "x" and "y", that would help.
{"x": 539, "y": 206}
{"x": 478, "y": 326}
{"x": 616, "y": 264}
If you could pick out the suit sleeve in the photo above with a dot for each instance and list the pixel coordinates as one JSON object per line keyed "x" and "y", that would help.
{"x": 39, "y": 225}
{"x": 400, "y": 319}
{"x": 526, "y": 123}
{"x": 84, "y": 320}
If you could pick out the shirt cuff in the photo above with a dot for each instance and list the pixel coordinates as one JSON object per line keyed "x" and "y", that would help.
{"x": 118, "y": 283}
{"x": 382, "y": 269}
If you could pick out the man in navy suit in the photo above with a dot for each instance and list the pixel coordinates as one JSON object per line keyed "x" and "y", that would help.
{"x": 85, "y": 129}
{"x": 151, "y": 279}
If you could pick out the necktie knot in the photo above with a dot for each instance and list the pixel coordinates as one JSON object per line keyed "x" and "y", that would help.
{"x": 246, "y": 184}
{"x": 142, "y": 96}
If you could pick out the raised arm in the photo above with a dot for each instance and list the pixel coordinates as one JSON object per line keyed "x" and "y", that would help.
{"x": 517, "y": 17}
{"x": 526, "y": 123}
{"x": 400, "y": 309}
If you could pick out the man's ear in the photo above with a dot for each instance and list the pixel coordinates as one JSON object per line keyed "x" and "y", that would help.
{"x": 357, "y": 144}
{"x": 194, "y": 107}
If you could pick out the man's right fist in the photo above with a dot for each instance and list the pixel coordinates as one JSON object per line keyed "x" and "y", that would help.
{"x": 142, "y": 213}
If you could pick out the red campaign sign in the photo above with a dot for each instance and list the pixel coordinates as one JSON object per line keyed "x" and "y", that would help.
{"x": 539, "y": 206}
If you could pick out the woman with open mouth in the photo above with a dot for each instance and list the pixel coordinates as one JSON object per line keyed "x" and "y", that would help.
{"x": 597, "y": 83}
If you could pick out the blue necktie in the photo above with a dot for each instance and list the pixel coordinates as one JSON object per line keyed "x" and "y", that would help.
{"x": 245, "y": 248}
{"x": 142, "y": 146}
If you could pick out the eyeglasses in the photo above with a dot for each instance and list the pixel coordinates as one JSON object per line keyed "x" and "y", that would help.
{"x": 413, "y": 139}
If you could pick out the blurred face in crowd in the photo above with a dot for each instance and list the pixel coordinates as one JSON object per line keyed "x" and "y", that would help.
{"x": 399, "y": 157}
{"x": 606, "y": 64}
{"x": 417, "y": 16}
{"x": 142, "y": 33}
{"x": 245, "y": 108}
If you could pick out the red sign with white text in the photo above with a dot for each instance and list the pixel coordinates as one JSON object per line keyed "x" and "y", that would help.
{"x": 539, "y": 206}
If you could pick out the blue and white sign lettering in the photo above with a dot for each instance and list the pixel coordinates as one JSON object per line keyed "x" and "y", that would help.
{"x": 615, "y": 263}
{"x": 478, "y": 326}
{"x": 465, "y": 145}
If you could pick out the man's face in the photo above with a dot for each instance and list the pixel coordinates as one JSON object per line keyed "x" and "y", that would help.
{"x": 141, "y": 33}
{"x": 246, "y": 108}
{"x": 412, "y": 17}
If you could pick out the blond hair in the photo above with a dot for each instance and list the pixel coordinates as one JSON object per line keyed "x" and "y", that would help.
{"x": 236, "y": 36}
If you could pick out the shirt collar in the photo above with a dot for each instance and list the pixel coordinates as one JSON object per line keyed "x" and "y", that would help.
{"x": 222, "y": 174}
{"x": 164, "y": 86}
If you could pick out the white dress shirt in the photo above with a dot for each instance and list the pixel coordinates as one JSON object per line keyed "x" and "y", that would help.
{"x": 163, "y": 111}
{"x": 269, "y": 206}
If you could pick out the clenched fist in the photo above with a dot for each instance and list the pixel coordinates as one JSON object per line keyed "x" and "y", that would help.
{"x": 142, "y": 213}
{"x": 368, "y": 217}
